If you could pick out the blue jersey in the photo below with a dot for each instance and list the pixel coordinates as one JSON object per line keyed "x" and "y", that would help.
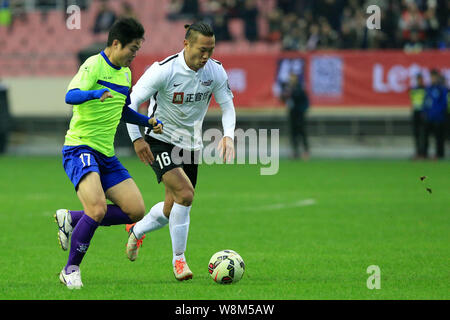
{"x": 435, "y": 103}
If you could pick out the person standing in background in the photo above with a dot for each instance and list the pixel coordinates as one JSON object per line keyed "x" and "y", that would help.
{"x": 297, "y": 101}
{"x": 448, "y": 113}
{"x": 435, "y": 111}
{"x": 417, "y": 95}
{"x": 105, "y": 18}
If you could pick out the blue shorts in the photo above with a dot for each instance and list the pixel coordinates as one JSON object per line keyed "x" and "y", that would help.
{"x": 80, "y": 160}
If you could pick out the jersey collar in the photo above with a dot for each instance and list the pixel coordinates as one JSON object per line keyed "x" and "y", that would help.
{"x": 108, "y": 61}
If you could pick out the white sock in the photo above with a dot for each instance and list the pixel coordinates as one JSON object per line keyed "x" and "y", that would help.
{"x": 152, "y": 221}
{"x": 179, "y": 228}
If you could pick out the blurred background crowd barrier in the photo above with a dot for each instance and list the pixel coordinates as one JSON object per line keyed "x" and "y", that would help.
{"x": 357, "y": 79}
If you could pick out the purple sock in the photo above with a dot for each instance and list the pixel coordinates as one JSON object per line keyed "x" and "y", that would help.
{"x": 79, "y": 244}
{"x": 76, "y": 216}
{"x": 114, "y": 216}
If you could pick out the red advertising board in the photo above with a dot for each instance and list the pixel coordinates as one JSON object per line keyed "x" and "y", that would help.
{"x": 332, "y": 78}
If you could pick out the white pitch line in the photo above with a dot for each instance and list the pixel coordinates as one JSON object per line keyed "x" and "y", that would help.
{"x": 279, "y": 206}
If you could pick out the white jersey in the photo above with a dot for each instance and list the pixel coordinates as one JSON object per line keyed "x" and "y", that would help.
{"x": 179, "y": 97}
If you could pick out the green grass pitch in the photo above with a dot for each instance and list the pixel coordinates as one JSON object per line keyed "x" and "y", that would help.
{"x": 308, "y": 232}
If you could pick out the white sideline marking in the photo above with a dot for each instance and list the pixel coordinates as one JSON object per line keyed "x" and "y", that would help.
{"x": 278, "y": 206}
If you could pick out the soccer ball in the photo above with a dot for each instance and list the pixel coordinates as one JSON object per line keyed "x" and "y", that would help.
{"x": 226, "y": 267}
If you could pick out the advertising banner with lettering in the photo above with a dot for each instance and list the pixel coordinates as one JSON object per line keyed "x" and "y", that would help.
{"x": 332, "y": 78}
{"x": 371, "y": 79}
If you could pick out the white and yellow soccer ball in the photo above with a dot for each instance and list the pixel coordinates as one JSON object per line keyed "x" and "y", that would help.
{"x": 226, "y": 266}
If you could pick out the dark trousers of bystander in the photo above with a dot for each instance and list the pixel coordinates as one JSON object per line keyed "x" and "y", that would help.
{"x": 418, "y": 128}
{"x": 297, "y": 124}
{"x": 438, "y": 130}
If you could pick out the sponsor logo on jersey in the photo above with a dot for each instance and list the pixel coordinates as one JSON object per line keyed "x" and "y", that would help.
{"x": 178, "y": 97}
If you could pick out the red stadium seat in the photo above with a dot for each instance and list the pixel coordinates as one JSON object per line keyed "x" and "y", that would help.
{"x": 40, "y": 39}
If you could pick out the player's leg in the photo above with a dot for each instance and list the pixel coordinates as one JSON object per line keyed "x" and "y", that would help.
{"x": 168, "y": 203}
{"x": 156, "y": 218}
{"x": 128, "y": 203}
{"x": 182, "y": 190}
{"x": 179, "y": 195}
{"x": 121, "y": 189}
{"x": 128, "y": 208}
{"x": 68, "y": 219}
{"x": 93, "y": 199}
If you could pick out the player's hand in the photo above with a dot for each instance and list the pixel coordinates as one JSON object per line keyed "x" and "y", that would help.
{"x": 226, "y": 149}
{"x": 143, "y": 151}
{"x": 156, "y": 124}
{"x": 105, "y": 96}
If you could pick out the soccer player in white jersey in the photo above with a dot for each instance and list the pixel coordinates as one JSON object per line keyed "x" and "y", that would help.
{"x": 180, "y": 89}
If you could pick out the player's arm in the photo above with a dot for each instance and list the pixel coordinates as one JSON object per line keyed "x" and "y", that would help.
{"x": 77, "y": 96}
{"x": 133, "y": 117}
{"x": 226, "y": 145}
{"x": 144, "y": 88}
{"x": 224, "y": 97}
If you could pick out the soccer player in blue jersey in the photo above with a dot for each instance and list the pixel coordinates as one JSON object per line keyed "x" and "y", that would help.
{"x": 100, "y": 94}
{"x": 435, "y": 111}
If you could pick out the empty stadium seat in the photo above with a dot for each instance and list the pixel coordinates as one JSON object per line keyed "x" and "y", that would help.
{"x": 42, "y": 44}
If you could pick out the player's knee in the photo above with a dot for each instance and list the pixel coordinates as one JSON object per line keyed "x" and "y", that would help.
{"x": 136, "y": 212}
{"x": 185, "y": 196}
{"x": 97, "y": 211}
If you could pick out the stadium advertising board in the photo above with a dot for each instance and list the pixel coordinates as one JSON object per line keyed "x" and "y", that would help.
{"x": 332, "y": 78}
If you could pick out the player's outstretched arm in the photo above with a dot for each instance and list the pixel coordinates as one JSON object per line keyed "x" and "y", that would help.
{"x": 77, "y": 96}
{"x": 131, "y": 116}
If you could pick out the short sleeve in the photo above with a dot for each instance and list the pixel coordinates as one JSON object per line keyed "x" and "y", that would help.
{"x": 222, "y": 91}
{"x": 86, "y": 76}
{"x": 151, "y": 81}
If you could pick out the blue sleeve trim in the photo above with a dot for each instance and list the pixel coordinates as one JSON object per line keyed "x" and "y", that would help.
{"x": 77, "y": 96}
{"x": 131, "y": 116}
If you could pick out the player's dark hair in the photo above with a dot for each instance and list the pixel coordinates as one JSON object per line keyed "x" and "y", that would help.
{"x": 198, "y": 27}
{"x": 125, "y": 30}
